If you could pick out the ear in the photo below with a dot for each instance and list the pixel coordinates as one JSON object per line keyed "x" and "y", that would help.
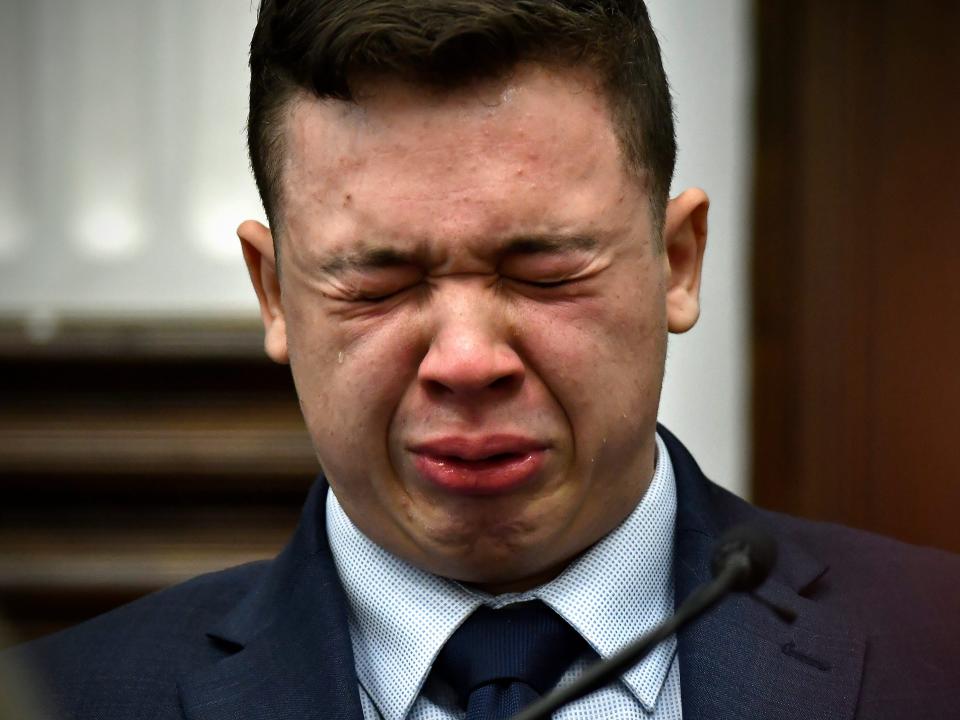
{"x": 257, "y": 243}
{"x": 684, "y": 240}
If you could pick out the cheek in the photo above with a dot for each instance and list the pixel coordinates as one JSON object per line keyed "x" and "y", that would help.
{"x": 601, "y": 359}
{"x": 350, "y": 378}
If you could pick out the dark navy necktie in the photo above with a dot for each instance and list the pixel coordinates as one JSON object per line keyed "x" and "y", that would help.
{"x": 500, "y": 661}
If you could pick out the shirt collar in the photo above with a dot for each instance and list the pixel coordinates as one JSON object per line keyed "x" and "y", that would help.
{"x": 400, "y": 616}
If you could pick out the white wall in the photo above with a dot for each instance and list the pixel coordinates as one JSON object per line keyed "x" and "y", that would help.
{"x": 706, "y": 46}
{"x": 123, "y": 174}
{"x": 123, "y": 169}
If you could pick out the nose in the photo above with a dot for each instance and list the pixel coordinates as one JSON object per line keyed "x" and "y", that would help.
{"x": 470, "y": 351}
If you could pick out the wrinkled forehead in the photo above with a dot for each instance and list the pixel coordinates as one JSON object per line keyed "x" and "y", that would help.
{"x": 537, "y": 133}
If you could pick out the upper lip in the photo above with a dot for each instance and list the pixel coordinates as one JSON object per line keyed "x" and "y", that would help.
{"x": 477, "y": 448}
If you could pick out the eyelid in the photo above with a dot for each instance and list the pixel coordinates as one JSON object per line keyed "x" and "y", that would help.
{"x": 549, "y": 283}
{"x": 374, "y": 299}
{"x": 392, "y": 281}
{"x": 559, "y": 272}
{"x": 560, "y": 262}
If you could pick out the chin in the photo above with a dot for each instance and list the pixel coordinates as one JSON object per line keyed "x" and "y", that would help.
{"x": 485, "y": 529}
{"x": 498, "y": 555}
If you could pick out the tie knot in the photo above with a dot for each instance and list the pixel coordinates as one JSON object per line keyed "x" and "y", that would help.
{"x": 526, "y": 642}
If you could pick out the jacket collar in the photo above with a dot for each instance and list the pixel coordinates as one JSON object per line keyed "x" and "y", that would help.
{"x": 740, "y": 659}
{"x": 289, "y": 653}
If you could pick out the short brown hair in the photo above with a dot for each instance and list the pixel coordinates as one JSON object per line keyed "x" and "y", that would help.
{"x": 318, "y": 46}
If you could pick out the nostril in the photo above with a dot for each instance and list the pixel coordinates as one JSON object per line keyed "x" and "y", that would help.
{"x": 505, "y": 382}
{"x": 435, "y": 387}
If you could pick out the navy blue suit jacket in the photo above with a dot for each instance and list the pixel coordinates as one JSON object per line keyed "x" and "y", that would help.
{"x": 877, "y": 634}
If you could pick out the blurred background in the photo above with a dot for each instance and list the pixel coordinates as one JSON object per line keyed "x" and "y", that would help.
{"x": 144, "y": 437}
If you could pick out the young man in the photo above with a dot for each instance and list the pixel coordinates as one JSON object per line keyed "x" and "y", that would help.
{"x": 472, "y": 266}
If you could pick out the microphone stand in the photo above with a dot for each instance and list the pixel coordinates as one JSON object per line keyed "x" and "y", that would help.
{"x": 736, "y": 566}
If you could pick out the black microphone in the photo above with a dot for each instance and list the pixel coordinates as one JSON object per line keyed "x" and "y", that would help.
{"x": 742, "y": 559}
{"x": 751, "y": 551}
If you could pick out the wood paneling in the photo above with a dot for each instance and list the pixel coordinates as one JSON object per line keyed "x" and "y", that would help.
{"x": 135, "y": 456}
{"x": 855, "y": 265}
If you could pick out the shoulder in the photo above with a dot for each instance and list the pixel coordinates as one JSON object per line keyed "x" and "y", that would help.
{"x": 904, "y": 598}
{"x": 874, "y": 577}
{"x": 899, "y": 600}
{"x": 859, "y": 567}
{"x": 867, "y": 565}
{"x": 129, "y": 658}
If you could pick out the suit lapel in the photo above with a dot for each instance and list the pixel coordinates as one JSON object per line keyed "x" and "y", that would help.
{"x": 288, "y": 641}
{"x": 740, "y": 660}
{"x": 288, "y": 653}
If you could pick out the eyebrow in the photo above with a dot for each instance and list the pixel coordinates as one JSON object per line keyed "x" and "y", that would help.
{"x": 374, "y": 258}
{"x": 367, "y": 259}
{"x": 532, "y": 244}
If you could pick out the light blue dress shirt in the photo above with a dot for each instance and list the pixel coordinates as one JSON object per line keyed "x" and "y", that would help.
{"x": 401, "y": 616}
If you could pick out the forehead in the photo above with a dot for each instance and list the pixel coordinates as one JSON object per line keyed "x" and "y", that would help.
{"x": 537, "y": 146}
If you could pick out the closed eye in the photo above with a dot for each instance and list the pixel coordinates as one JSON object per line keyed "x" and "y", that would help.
{"x": 378, "y": 286}
{"x": 546, "y": 284}
{"x": 381, "y": 297}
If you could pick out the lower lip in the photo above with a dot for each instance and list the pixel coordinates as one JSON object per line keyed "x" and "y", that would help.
{"x": 480, "y": 477}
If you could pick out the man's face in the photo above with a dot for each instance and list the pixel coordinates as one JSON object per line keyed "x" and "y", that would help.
{"x": 475, "y": 311}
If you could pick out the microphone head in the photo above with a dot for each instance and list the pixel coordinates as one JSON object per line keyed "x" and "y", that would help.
{"x": 745, "y": 543}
